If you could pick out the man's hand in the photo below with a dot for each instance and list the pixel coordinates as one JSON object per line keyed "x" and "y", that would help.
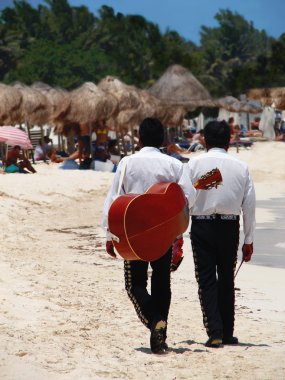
{"x": 247, "y": 251}
{"x": 177, "y": 254}
{"x": 110, "y": 248}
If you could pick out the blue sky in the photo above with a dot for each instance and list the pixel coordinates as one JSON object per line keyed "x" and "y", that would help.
{"x": 187, "y": 16}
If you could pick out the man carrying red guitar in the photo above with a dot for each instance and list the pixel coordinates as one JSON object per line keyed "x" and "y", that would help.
{"x": 136, "y": 174}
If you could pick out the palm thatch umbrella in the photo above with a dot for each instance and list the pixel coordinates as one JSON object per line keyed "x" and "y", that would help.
{"x": 10, "y": 105}
{"x": 127, "y": 96}
{"x": 136, "y": 104}
{"x": 171, "y": 115}
{"x": 58, "y": 97}
{"x": 280, "y": 103}
{"x": 88, "y": 103}
{"x": 131, "y": 104}
{"x": 178, "y": 84}
{"x": 269, "y": 96}
{"x": 35, "y": 108}
{"x": 180, "y": 92}
{"x": 149, "y": 106}
{"x": 232, "y": 104}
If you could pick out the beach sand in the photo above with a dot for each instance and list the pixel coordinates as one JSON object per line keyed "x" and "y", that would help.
{"x": 66, "y": 316}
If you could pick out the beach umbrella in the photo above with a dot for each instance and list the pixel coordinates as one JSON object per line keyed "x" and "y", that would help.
{"x": 180, "y": 93}
{"x": 269, "y": 96}
{"x": 15, "y": 136}
{"x": 88, "y": 103}
{"x": 130, "y": 105}
{"x": 136, "y": 104}
{"x": 10, "y": 104}
{"x": 128, "y": 98}
{"x": 149, "y": 106}
{"x": 232, "y": 104}
{"x": 280, "y": 103}
{"x": 58, "y": 98}
{"x": 171, "y": 115}
{"x": 35, "y": 107}
{"x": 178, "y": 84}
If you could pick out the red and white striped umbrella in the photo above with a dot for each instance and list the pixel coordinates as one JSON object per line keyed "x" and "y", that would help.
{"x": 15, "y": 136}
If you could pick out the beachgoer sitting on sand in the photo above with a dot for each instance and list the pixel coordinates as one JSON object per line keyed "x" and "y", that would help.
{"x": 39, "y": 151}
{"x": 43, "y": 150}
{"x": 16, "y": 158}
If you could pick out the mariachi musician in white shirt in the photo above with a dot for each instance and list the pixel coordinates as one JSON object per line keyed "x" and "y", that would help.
{"x": 215, "y": 232}
{"x": 142, "y": 170}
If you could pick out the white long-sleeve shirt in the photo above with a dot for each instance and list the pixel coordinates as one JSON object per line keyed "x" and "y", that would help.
{"x": 144, "y": 169}
{"x": 236, "y": 194}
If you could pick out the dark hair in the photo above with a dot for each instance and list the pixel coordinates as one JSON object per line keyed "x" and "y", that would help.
{"x": 151, "y": 132}
{"x": 16, "y": 147}
{"x": 47, "y": 139}
{"x": 217, "y": 134}
{"x": 231, "y": 120}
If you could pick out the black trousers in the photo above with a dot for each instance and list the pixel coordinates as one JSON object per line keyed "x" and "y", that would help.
{"x": 154, "y": 306}
{"x": 215, "y": 245}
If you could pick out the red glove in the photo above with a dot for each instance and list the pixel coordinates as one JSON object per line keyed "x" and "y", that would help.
{"x": 247, "y": 251}
{"x": 177, "y": 254}
{"x": 110, "y": 248}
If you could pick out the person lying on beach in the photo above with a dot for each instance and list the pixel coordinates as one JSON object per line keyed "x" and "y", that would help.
{"x": 174, "y": 151}
{"x": 16, "y": 158}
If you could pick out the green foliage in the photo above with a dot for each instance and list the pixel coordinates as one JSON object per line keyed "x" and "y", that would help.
{"x": 67, "y": 46}
{"x": 231, "y": 49}
{"x": 61, "y": 65}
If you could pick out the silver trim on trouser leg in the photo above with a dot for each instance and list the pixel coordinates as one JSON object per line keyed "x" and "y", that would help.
{"x": 205, "y": 320}
{"x": 128, "y": 286}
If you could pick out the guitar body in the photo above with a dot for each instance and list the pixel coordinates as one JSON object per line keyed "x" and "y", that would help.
{"x": 145, "y": 225}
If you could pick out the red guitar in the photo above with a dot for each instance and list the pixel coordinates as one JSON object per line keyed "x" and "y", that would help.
{"x": 143, "y": 226}
{"x": 211, "y": 179}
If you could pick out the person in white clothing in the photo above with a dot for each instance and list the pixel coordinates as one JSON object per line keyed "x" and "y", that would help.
{"x": 142, "y": 170}
{"x": 215, "y": 231}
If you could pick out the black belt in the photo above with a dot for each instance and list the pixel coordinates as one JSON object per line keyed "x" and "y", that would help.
{"x": 216, "y": 217}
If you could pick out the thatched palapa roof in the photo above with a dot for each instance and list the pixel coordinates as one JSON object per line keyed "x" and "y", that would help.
{"x": 10, "y": 105}
{"x": 178, "y": 84}
{"x": 178, "y": 87}
{"x": 134, "y": 104}
{"x": 88, "y": 103}
{"x": 58, "y": 97}
{"x": 35, "y": 107}
{"x": 232, "y": 104}
{"x": 269, "y": 96}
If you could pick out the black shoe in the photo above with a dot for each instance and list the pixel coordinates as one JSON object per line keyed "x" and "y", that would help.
{"x": 165, "y": 346}
{"x": 214, "y": 342}
{"x": 230, "y": 340}
{"x": 157, "y": 338}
